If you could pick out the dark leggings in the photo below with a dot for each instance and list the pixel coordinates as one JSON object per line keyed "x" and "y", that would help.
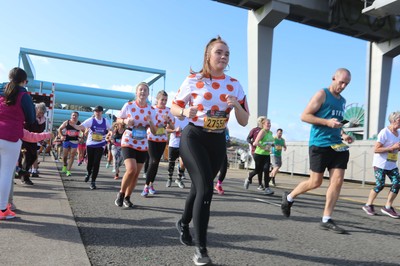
{"x": 223, "y": 170}
{"x": 262, "y": 166}
{"x": 26, "y": 161}
{"x": 156, "y": 150}
{"x": 93, "y": 164}
{"x": 173, "y": 154}
{"x": 202, "y": 154}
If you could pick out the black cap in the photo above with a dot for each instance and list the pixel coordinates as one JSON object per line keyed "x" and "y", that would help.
{"x": 98, "y": 108}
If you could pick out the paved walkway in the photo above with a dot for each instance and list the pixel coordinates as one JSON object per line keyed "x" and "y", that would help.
{"x": 45, "y": 233}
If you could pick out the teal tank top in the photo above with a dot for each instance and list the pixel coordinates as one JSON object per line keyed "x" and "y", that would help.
{"x": 323, "y": 136}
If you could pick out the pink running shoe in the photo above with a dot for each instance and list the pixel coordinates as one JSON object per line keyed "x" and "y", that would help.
{"x": 7, "y": 214}
{"x": 219, "y": 189}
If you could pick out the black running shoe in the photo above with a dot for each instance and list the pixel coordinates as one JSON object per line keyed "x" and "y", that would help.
{"x": 184, "y": 233}
{"x": 331, "y": 226}
{"x": 286, "y": 205}
{"x": 120, "y": 199}
{"x": 87, "y": 177}
{"x": 93, "y": 185}
{"x": 201, "y": 257}
{"x": 127, "y": 202}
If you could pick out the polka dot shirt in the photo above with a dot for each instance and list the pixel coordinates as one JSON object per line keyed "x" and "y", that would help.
{"x": 208, "y": 95}
{"x": 161, "y": 124}
{"x": 137, "y": 113}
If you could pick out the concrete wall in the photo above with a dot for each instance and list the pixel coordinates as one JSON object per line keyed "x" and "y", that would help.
{"x": 295, "y": 160}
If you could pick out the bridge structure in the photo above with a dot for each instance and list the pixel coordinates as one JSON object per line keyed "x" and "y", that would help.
{"x": 76, "y": 95}
{"x": 375, "y": 21}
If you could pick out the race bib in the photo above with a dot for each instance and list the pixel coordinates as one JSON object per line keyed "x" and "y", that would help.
{"x": 392, "y": 156}
{"x": 139, "y": 133}
{"x": 278, "y": 147}
{"x": 73, "y": 133}
{"x": 160, "y": 131}
{"x": 215, "y": 121}
{"x": 340, "y": 147}
{"x": 97, "y": 136}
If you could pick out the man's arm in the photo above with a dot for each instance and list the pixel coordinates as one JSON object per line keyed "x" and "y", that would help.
{"x": 312, "y": 107}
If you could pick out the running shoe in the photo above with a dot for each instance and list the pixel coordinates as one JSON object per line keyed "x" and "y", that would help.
{"x": 79, "y": 163}
{"x": 116, "y": 176}
{"x": 127, "y": 202}
{"x": 68, "y": 173}
{"x": 331, "y": 226}
{"x": 184, "y": 233}
{"x": 286, "y": 205}
{"x": 180, "y": 183}
{"x": 35, "y": 174}
{"x": 93, "y": 185}
{"x": 108, "y": 165}
{"x": 145, "y": 192}
{"x": 64, "y": 169}
{"x": 369, "y": 209}
{"x": 120, "y": 199}
{"x": 152, "y": 191}
{"x": 268, "y": 191}
{"x": 113, "y": 170}
{"x": 261, "y": 187}
{"x": 219, "y": 189}
{"x": 247, "y": 183}
{"x": 201, "y": 257}
{"x": 7, "y": 214}
{"x": 26, "y": 180}
{"x": 87, "y": 177}
{"x": 390, "y": 212}
{"x": 273, "y": 181}
{"x": 169, "y": 182}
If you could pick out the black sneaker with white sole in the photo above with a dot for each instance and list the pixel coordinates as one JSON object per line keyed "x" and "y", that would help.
{"x": 184, "y": 233}
{"x": 201, "y": 257}
{"x": 127, "y": 202}
{"x": 120, "y": 199}
{"x": 331, "y": 226}
{"x": 286, "y": 205}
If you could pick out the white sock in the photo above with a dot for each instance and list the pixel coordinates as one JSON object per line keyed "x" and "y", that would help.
{"x": 325, "y": 219}
{"x": 289, "y": 198}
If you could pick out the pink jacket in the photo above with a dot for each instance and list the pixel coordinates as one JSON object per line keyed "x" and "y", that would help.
{"x": 35, "y": 137}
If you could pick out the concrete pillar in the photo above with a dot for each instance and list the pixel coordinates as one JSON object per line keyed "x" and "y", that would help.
{"x": 380, "y": 57}
{"x": 261, "y": 23}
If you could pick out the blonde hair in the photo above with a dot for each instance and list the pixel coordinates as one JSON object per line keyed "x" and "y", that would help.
{"x": 260, "y": 120}
{"x": 394, "y": 116}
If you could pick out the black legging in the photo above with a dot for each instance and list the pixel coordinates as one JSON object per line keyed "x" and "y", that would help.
{"x": 202, "y": 154}
{"x": 223, "y": 170}
{"x": 93, "y": 164}
{"x": 173, "y": 154}
{"x": 156, "y": 150}
{"x": 262, "y": 166}
{"x": 30, "y": 156}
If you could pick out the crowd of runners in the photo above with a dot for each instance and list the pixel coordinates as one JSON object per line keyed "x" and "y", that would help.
{"x": 195, "y": 130}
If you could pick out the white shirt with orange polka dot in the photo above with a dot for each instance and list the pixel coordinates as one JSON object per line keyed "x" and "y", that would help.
{"x": 161, "y": 123}
{"x": 137, "y": 113}
{"x": 208, "y": 94}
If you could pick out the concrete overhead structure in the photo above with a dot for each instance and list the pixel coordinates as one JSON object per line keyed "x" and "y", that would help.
{"x": 81, "y": 95}
{"x": 377, "y": 22}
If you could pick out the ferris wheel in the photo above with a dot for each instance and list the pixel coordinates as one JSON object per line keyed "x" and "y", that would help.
{"x": 355, "y": 115}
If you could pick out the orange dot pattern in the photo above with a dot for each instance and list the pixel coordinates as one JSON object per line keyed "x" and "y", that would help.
{"x": 160, "y": 122}
{"x": 208, "y": 95}
{"x": 138, "y": 113}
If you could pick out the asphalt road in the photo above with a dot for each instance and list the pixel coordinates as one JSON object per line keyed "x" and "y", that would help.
{"x": 246, "y": 227}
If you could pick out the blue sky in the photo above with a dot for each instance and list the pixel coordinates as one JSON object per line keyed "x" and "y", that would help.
{"x": 171, "y": 35}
